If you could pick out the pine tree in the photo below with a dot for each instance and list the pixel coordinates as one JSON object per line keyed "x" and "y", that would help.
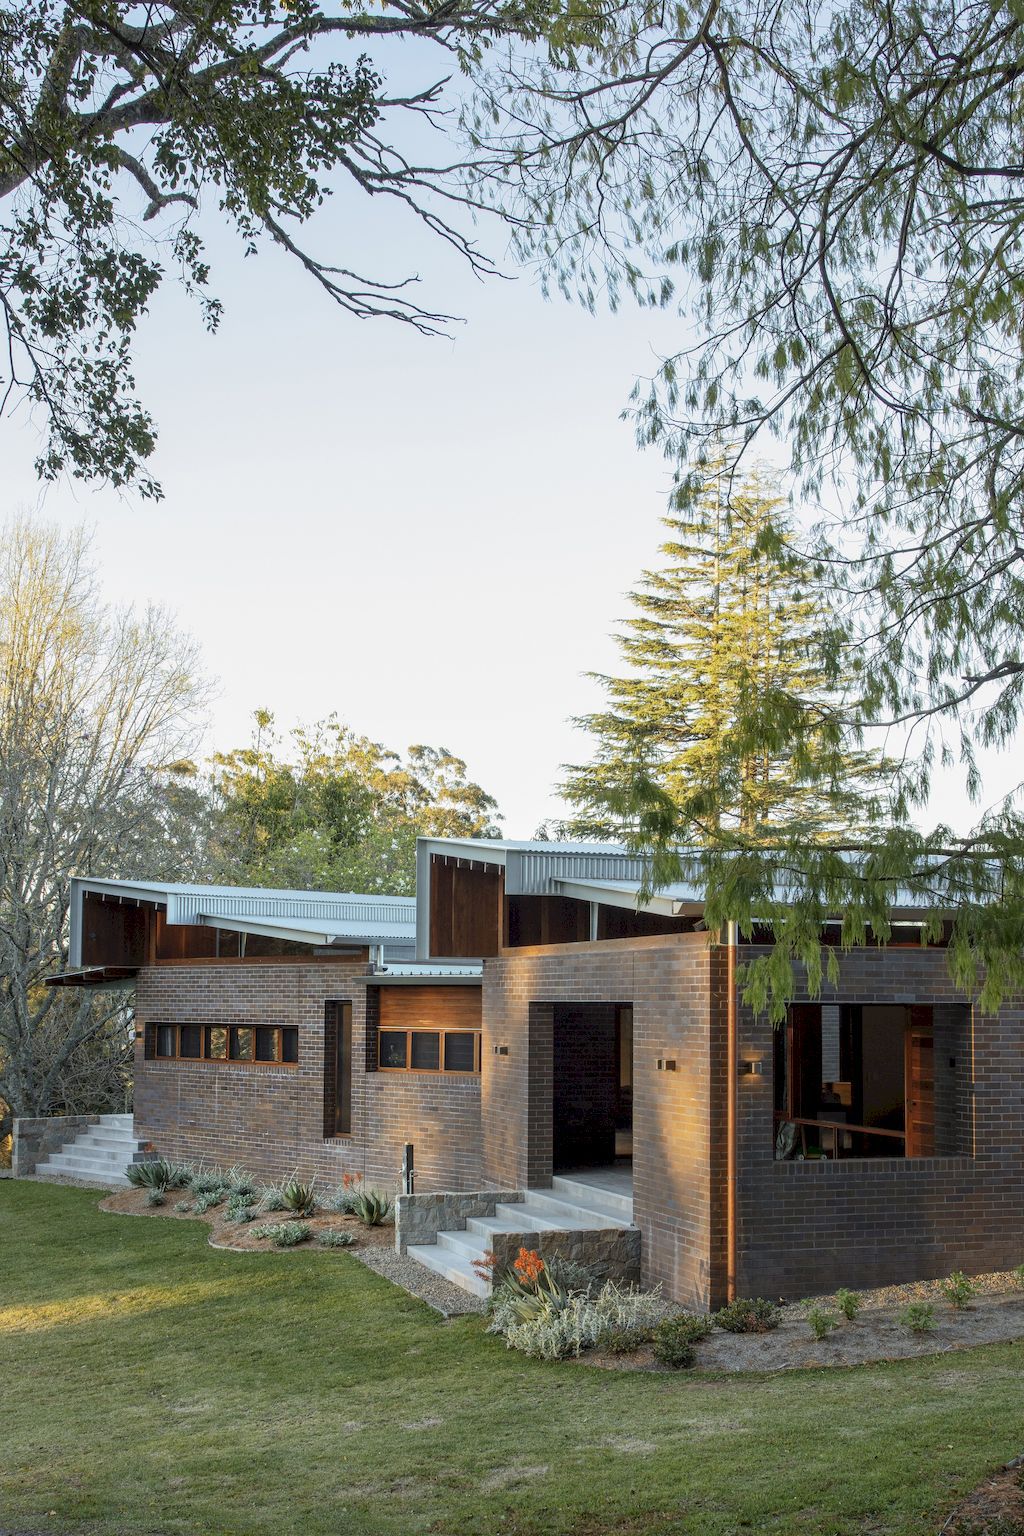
{"x": 727, "y": 639}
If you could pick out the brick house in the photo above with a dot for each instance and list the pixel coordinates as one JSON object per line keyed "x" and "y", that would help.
{"x": 575, "y": 1064}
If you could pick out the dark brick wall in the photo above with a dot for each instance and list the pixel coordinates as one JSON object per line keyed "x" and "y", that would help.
{"x": 668, "y": 981}
{"x": 271, "y": 1118}
{"x": 812, "y": 1226}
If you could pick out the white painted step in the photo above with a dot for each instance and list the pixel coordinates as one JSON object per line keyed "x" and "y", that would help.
{"x": 594, "y": 1197}
{"x": 453, "y": 1266}
{"x": 107, "y": 1136}
{"x": 99, "y": 1154}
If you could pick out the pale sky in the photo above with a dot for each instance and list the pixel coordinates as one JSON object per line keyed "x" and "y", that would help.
{"x": 430, "y": 537}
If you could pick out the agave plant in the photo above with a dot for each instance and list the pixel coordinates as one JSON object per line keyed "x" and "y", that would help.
{"x": 372, "y": 1207}
{"x": 158, "y": 1174}
{"x": 299, "y": 1197}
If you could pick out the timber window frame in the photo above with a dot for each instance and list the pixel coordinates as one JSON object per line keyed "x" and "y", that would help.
{"x": 224, "y": 1045}
{"x": 416, "y": 1045}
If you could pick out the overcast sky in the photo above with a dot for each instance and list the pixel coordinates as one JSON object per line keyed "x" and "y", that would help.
{"x": 430, "y": 537}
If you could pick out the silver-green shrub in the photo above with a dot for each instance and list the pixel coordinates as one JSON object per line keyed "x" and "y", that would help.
{"x": 581, "y": 1323}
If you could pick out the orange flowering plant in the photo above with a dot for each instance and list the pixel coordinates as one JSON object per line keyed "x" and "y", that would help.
{"x": 529, "y": 1267}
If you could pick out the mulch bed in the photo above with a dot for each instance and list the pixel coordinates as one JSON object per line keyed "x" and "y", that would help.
{"x": 994, "y": 1508}
{"x": 995, "y": 1316}
{"x": 237, "y": 1235}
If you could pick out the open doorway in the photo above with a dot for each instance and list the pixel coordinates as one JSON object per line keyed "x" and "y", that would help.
{"x": 592, "y": 1086}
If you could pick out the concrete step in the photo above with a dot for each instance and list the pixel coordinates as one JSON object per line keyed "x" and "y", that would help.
{"x": 81, "y": 1173}
{"x": 86, "y": 1159}
{"x": 453, "y": 1266}
{"x": 593, "y": 1197}
{"x": 558, "y": 1206}
{"x": 127, "y": 1120}
{"x": 531, "y": 1217}
{"x": 468, "y": 1245}
{"x": 108, "y": 1136}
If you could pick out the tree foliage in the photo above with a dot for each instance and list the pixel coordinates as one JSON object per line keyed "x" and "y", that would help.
{"x": 330, "y": 810}
{"x": 829, "y": 198}
{"x": 727, "y": 640}
{"x": 112, "y": 113}
{"x": 97, "y": 708}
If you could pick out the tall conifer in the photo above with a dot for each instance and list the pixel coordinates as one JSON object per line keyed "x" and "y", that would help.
{"x": 725, "y": 641}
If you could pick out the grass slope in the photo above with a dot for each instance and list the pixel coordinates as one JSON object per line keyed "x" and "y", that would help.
{"x": 152, "y": 1384}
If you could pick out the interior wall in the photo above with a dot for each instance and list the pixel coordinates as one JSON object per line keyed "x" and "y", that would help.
{"x": 585, "y": 1085}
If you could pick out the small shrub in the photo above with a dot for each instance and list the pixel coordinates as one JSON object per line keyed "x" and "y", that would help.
{"x": 239, "y": 1212}
{"x": 284, "y": 1234}
{"x": 820, "y": 1320}
{"x": 333, "y": 1238}
{"x": 183, "y": 1205}
{"x": 918, "y": 1316}
{"x": 582, "y": 1322}
{"x": 674, "y": 1339}
{"x": 626, "y": 1341}
{"x": 372, "y": 1208}
{"x": 241, "y": 1183}
{"x": 958, "y": 1290}
{"x": 158, "y": 1174}
{"x": 341, "y": 1200}
{"x": 748, "y": 1315}
{"x": 848, "y": 1302}
{"x": 208, "y": 1201}
{"x": 155, "y": 1197}
{"x": 1018, "y": 1276}
{"x": 272, "y": 1200}
{"x": 210, "y": 1181}
{"x": 570, "y": 1275}
{"x": 299, "y": 1197}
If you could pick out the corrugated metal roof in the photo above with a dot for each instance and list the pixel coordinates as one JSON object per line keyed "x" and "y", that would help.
{"x": 308, "y": 917}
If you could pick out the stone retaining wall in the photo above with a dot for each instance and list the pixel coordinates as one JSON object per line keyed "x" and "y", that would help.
{"x": 613, "y": 1252}
{"x": 36, "y": 1138}
{"x": 419, "y": 1218}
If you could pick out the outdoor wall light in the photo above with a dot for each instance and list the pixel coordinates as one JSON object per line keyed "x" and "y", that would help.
{"x": 751, "y": 1069}
{"x": 666, "y": 1065}
{"x": 501, "y": 1050}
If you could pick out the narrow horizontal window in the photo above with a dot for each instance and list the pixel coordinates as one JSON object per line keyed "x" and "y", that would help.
{"x": 428, "y": 1050}
{"x": 241, "y": 1044}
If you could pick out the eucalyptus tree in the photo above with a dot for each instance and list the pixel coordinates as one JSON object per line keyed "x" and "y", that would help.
{"x": 97, "y": 708}
{"x": 328, "y": 809}
{"x": 829, "y": 199}
{"x": 115, "y": 115}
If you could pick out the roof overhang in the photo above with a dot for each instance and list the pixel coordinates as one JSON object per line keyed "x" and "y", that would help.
{"x": 615, "y": 894}
{"x": 95, "y": 976}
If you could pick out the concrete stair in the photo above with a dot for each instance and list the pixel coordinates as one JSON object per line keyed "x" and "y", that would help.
{"x": 570, "y": 1205}
{"x": 98, "y": 1155}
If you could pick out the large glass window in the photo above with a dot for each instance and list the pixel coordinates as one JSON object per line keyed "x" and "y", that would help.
{"x": 855, "y": 1081}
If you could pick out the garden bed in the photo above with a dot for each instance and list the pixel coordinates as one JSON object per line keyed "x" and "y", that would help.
{"x": 994, "y": 1315}
{"x": 239, "y": 1237}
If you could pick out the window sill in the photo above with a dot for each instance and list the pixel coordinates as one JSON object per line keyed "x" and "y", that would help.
{"x": 853, "y": 1167}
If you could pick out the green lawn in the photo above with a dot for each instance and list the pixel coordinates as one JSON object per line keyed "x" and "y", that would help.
{"x": 152, "y": 1384}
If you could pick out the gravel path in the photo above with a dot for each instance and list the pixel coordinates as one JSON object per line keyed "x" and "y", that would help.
{"x": 448, "y": 1299}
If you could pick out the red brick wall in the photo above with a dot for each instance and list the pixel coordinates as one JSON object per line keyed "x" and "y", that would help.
{"x": 271, "y": 1118}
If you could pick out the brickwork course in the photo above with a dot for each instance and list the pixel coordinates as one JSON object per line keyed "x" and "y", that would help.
{"x": 802, "y": 1227}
